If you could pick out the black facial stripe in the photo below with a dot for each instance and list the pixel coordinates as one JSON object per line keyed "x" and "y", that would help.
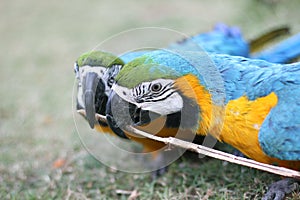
{"x": 144, "y": 93}
{"x": 138, "y": 91}
{"x": 163, "y": 88}
{"x": 149, "y": 87}
{"x": 134, "y": 91}
{"x": 161, "y": 93}
{"x": 76, "y": 68}
{"x": 155, "y": 100}
{"x": 149, "y": 95}
{"x": 169, "y": 84}
{"x": 110, "y": 81}
{"x": 142, "y": 89}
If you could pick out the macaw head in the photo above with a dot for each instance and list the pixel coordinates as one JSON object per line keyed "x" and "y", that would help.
{"x": 146, "y": 89}
{"x": 95, "y": 72}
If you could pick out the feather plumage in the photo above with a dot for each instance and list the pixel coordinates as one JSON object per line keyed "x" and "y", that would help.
{"x": 271, "y": 89}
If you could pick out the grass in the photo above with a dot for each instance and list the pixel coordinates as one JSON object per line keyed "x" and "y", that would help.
{"x": 86, "y": 178}
{"x": 39, "y": 43}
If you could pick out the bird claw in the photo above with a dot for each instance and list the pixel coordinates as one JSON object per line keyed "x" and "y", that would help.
{"x": 238, "y": 153}
{"x": 159, "y": 172}
{"x": 279, "y": 189}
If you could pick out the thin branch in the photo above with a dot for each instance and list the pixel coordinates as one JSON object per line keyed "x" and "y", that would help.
{"x": 218, "y": 154}
{"x": 214, "y": 153}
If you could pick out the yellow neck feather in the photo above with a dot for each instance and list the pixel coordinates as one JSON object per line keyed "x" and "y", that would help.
{"x": 190, "y": 87}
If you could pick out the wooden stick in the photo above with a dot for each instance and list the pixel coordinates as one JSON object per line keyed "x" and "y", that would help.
{"x": 218, "y": 154}
{"x": 214, "y": 153}
{"x": 97, "y": 116}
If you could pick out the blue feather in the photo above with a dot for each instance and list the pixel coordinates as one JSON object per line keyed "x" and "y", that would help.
{"x": 129, "y": 56}
{"x": 283, "y": 52}
{"x": 279, "y": 135}
{"x": 223, "y": 39}
{"x": 229, "y": 40}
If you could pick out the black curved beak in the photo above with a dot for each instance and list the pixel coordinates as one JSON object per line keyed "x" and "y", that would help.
{"x": 89, "y": 86}
{"x": 120, "y": 113}
{"x": 112, "y": 105}
{"x": 139, "y": 116}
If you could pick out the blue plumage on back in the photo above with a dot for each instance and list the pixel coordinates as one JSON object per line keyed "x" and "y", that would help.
{"x": 280, "y": 133}
{"x": 223, "y": 39}
{"x": 283, "y": 52}
{"x": 229, "y": 40}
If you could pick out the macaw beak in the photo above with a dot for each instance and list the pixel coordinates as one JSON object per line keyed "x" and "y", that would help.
{"x": 120, "y": 113}
{"x": 113, "y": 102}
{"x": 89, "y": 85}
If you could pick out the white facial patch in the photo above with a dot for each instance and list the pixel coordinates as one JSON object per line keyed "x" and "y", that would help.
{"x": 82, "y": 73}
{"x": 157, "y": 96}
{"x": 79, "y": 96}
{"x": 173, "y": 103}
{"x": 109, "y": 77}
{"x": 96, "y": 69}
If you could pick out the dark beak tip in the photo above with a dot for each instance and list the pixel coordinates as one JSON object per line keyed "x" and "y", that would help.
{"x": 92, "y": 125}
{"x": 114, "y": 127}
{"x": 90, "y": 108}
{"x": 89, "y": 91}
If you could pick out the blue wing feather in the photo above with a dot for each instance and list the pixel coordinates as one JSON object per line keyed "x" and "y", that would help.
{"x": 280, "y": 133}
{"x": 223, "y": 39}
{"x": 229, "y": 40}
{"x": 283, "y": 52}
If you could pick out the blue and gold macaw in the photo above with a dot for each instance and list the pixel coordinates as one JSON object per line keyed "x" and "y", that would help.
{"x": 250, "y": 104}
{"x": 94, "y": 73}
{"x": 96, "y": 70}
{"x": 223, "y": 39}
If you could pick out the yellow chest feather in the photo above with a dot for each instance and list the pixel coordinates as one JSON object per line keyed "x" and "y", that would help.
{"x": 242, "y": 122}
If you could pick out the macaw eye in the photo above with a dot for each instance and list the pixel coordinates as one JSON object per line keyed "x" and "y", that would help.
{"x": 156, "y": 87}
{"x": 76, "y": 68}
{"x": 110, "y": 81}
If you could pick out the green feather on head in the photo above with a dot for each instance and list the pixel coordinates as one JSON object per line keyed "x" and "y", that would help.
{"x": 141, "y": 70}
{"x": 99, "y": 58}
